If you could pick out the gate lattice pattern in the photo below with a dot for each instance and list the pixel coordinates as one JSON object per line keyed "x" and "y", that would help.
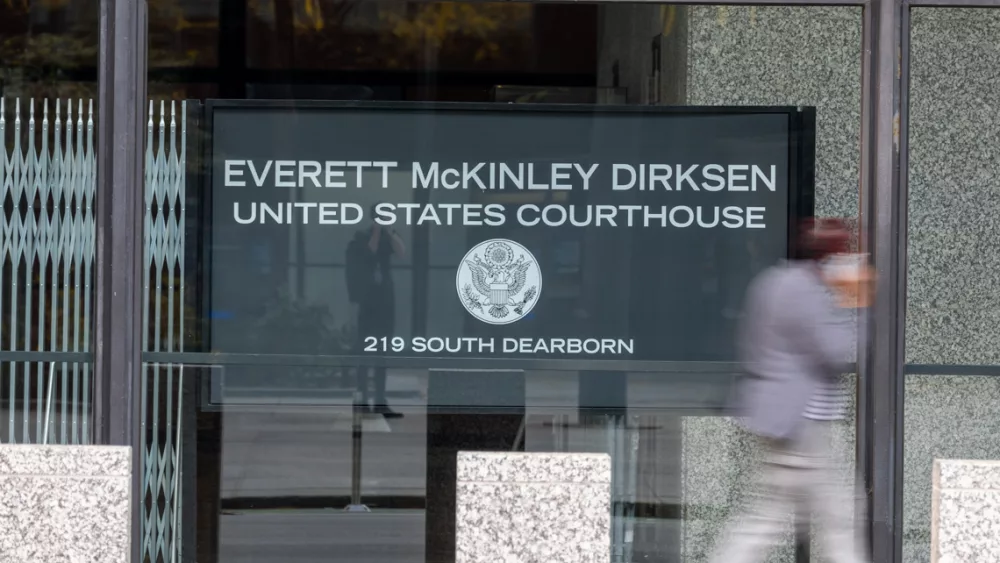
{"x": 164, "y": 303}
{"x": 47, "y": 180}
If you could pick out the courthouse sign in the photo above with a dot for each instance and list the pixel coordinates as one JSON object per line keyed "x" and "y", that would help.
{"x": 645, "y": 224}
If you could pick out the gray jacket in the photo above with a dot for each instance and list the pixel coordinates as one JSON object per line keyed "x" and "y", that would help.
{"x": 792, "y": 337}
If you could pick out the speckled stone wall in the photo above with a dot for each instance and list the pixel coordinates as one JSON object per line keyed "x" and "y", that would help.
{"x": 757, "y": 55}
{"x": 966, "y": 512}
{"x": 945, "y": 417}
{"x": 533, "y": 508}
{"x": 953, "y": 294}
{"x": 770, "y": 56}
{"x": 719, "y": 459}
{"x": 953, "y": 283}
{"x": 64, "y": 504}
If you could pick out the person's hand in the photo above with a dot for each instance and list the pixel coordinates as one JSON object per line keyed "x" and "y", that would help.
{"x": 851, "y": 279}
{"x": 855, "y": 289}
{"x": 866, "y": 287}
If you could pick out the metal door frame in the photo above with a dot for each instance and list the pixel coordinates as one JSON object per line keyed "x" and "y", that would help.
{"x": 122, "y": 79}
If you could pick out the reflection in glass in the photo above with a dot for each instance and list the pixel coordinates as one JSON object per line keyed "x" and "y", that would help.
{"x": 259, "y": 454}
{"x": 346, "y": 35}
{"x": 48, "y": 60}
{"x": 952, "y": 301}
{"x": 183, "y": 33}
{"x": 48, "y": 49}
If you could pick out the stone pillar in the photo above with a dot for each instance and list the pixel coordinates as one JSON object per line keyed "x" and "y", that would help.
{"x": 515, "y": 507}
{"x": 466, "y": 410}
{"x": 65, "y": 503}
{"x": 965, "y": 512}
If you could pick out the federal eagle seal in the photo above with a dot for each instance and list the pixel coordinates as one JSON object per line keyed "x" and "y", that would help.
{"x": 498, "y": 281}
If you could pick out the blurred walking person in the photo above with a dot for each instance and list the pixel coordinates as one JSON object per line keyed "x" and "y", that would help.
{"x": 797, "y": 339}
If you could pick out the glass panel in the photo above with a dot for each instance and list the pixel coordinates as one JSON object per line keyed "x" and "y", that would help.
{"x": 480, "y": 37}
{"x": 48, "y": 50}
{"x": 250, "y": 443}
{"x": 767, "y": 55}
{"x": 947, "y": 417}
{"x": 182, "y": 34}
{"x": 951, "y": 189}
{"x": 48, "y": 56}
{"x": 953, "y": 257}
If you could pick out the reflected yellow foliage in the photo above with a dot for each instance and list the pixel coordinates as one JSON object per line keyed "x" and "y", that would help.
{"x": 306, "y": 15}
{"x": 314, "y": 14}
{"x": 433, "y": 25}
{"x": 387, "y": 35}
{"x": 33, "y": 59}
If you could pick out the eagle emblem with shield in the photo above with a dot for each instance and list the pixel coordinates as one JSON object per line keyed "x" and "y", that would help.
{"x": 498, "y": 281}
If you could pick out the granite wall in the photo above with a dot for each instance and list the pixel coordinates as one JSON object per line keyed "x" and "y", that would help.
{"x": 953, "y": 294}
{"x": 812, "y": 56}
{"x": 945, "y": 417}
{"x": 953, "y": 282}
{"x": 533, "y": 508}
{"x": 719, "y": 459}
{"x": 966, "y": 512}
{"x": 749, "y": 55}
{"x": 64, "y": 504}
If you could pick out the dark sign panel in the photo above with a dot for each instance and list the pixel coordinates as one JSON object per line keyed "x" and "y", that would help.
{"x": 516, "y": 232}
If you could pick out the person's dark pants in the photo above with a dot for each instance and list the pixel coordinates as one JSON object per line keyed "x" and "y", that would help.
{"x": 376, "y": 317}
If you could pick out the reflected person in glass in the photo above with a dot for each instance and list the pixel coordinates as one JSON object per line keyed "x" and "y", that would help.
{"x": 371, "y": 288}
{"x": 797, "y": 338}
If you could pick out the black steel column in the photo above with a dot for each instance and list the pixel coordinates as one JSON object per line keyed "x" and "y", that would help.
{"x": 884, "y": 210}
{"x": 118, "y": 278}
{"x": 232, "y": 49}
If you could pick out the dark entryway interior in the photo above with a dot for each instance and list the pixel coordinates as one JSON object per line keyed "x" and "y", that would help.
{"x": 272, "y": 470}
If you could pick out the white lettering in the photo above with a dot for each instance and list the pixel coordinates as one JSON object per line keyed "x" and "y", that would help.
{"x": 768, "y": 179}
{"x": 507, "y": 173}
{"x": 284, "y": 169}
{"x": 685, "y": 176}
{"x": 659, "y": 173}
{"x": 714, "y": 172}
{"x": 385, "y": 166}
{"x": 313, "y": 172}
{"x": 430, "y": 179}
{"x": 333, "y": 172}
{"x": 734, "y": 176}
{"x": 616, "y": 184}
{"x": 558, "y": 176}
{"x": 495, "y": 213}
{"x": 532, "y": 185}
{"x": 520, "y": 215}
{"x": 755, "y": 217}
{"x": 236, "y": 214}
{"x": 359, "y": 166}
{"x": 232, "y": 173}
{"x": 472, "y": 174}
{"x": 586, "y": 174}
{"x": 734, "y": 217}
{"x": 259, "y": 180}
{"x": 444, "y": 178}
{"x": 685, "y": 209}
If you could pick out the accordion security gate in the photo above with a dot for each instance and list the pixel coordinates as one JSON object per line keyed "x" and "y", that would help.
{"x": 47, "y": 182}
{"x": 47, "y": 248}
{"x": 163, "y": 331}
